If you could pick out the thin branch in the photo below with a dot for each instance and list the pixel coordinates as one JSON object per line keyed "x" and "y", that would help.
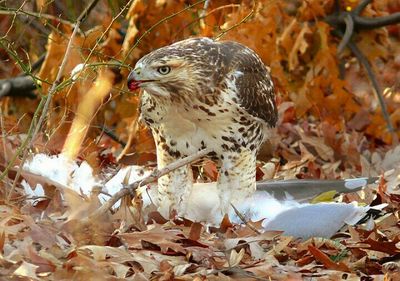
{"x": 243, "y": 20}
{"x": 151, "y": 178}
{"x": 202, "y": 17}
{"x": 13, "y": 20}
{"x": 111, "y": 134}
{"x": 34, "y": 23}
{"x": 149, "y": 30}
{"x": 243, "y": 219}
{"x": 348, "y": 19}
{"x": 26, "y": 140}
{"x": 30, "y": 134}
{"x": 372, "y": 23}
{"x": 364, "y": 3}
{"x": 339, "y": 20}
{"x": 352, "y": 21}
{"x": 38, "y": 63}
{"x": 364, "y": 61}
{"x": 86, "y": 12}
{"x": 50, "y": 94}
{"x": 4, "y": 138}
{"x": 15, "y": 12}
{"x": 202, "y": 14}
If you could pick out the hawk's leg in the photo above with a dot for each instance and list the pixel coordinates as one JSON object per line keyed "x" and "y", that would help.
{"x": 175, "y": 187}
{"x": 237, "y": 179}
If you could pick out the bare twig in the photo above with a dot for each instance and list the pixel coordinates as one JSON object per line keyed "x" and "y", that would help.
{"x": 363, "y": 4}
{"x": 371, "y": 23}
{"x": 36, "y": 64}
{"x": 13, "y": 20}
{"x": 364, "y": 61}
{"x": 243, "y": 219}
{"x": 50, "y": 94}
{"x": 26, "y": 140}
{"x": 151, "y": 178}
{"x": 19, "y": 12}
{"x": 33, "y": 22}
{"x": 149, "y": 30}
{"x": 243, "y": 20}
{"x": 4, "y": 136}
{"x": 111, "y": 134}
{"x": 348, "y": 19}
{"x": 132, "y": 129}
{"x": 351, "y": 21}
{"x": 338, "y": 20}
{"x": 203, "y": 16}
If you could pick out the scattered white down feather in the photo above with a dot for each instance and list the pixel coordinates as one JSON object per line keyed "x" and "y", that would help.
{"x": 30, "y": 192}
{"x": 296, "y": 219}
{"x": 62, "y": 170}
{"x": 80, "y": 178}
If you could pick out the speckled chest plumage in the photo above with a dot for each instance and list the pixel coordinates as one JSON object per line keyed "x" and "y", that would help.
{"x": 185, "y": 126}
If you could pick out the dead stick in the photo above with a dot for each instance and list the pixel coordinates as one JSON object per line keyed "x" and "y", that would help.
{"x": 243, "y": 219}
{"x": 151, "y": 178}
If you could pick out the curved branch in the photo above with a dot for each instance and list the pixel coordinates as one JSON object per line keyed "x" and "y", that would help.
{"x": 348, "y": 19}
{"x": 357, "y": 10}
{"x": 371, "y": 23}
{"x": 364, "y": 61}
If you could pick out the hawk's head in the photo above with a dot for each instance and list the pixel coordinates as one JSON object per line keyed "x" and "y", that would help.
{"x": 183, "y": 68}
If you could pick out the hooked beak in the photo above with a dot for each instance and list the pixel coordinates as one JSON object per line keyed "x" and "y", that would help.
{"x": 133, "y": 80}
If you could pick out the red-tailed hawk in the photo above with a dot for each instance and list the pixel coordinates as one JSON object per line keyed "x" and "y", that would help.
{"x": 199, "y": 93}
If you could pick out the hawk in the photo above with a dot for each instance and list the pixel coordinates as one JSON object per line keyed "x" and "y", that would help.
{"x": 199, "y": 93}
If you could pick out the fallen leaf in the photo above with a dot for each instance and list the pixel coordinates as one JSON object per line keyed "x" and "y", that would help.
{"x": 195, "y": 231}
{"x": 165, "y": 239}
{"x": 27, "y": 270}
{"x": 235, "y": 257}
{"x": 326, "y": 261}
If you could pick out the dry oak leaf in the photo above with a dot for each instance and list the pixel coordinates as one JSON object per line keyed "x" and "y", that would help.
{"x": 120, "y": 256}
{"x": 300, "y": 47}
{"x": 326, "y": 261}
{"x": 325, "y": 152}
{"x": 165, "y": 239}
{"x": 27, "y": 270}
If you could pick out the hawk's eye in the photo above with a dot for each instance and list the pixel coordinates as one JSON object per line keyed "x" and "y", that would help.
{"x": 164, "y": 70}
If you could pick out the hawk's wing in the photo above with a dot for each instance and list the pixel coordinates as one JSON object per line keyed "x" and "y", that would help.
{"x": 254, "y": 86}
{"x": 255, "y": 92}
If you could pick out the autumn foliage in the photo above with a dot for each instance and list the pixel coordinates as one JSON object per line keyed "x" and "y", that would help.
{"x": 330, "y": 127}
